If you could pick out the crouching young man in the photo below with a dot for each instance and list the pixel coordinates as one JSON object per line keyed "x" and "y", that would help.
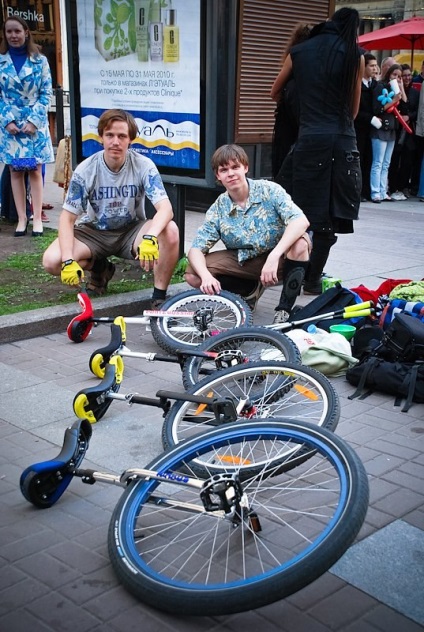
{"x": 107, "y": 195}
{"x": 264, "y": 234}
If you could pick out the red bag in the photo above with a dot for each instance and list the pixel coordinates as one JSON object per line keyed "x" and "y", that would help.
{"x": 384, "y": 289}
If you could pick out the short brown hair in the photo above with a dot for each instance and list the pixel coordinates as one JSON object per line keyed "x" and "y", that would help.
{"x": 109, "y": 116}
{"x": 226, "y": 153}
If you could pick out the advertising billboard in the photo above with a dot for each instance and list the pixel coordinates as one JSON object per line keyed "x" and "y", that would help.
{"x": 143, "y": 56}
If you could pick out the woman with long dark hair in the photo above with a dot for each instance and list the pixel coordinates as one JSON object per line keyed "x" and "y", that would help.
{"x": 322, "y": 172}
{"x": 383, "y": 138}
{"x": 286, "y": 125}
{"x": 25, "y": 93}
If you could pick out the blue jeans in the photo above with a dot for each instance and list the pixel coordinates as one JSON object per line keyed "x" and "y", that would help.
{"x": 381, "y": 154}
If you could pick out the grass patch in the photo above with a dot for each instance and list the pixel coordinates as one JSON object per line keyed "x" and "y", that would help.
{"x": 26, "y": 286}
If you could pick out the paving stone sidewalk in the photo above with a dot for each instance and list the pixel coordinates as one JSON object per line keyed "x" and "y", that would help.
{"x": 54, "y": 567}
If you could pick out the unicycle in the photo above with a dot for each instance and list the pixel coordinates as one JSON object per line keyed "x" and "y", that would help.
{"x": 224, "y": 542}
{"x": 205, "y": 316}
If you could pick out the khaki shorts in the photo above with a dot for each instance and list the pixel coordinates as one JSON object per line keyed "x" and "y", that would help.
{"x": 103, "y": 243}
{"x": 226, "y": 262}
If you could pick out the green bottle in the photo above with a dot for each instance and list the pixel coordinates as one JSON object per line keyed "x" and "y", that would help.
{"x": 155, "y": 7}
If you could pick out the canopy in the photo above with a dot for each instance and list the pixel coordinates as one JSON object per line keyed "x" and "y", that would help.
{"x": 405, "y": 35}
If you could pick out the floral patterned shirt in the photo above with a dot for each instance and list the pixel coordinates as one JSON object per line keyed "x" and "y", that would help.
{"x": 253, "y": 230}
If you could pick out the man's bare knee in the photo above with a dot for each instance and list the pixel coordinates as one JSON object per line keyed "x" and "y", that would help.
{"x": 50, "y": 262}
{"x": 299, "y": 251}
{"x": 170, "y": 235}
{"x": 192, "y": 279}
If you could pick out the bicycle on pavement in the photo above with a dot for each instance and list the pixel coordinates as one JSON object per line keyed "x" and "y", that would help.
{"x": 229, "y": 520}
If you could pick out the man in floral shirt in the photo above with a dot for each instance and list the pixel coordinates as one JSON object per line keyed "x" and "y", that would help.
{"x": 263, "y": 231}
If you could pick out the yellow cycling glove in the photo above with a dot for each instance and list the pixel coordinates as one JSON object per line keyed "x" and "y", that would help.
{"x": 72, "y": 273}
{"x": 148, "y": 249}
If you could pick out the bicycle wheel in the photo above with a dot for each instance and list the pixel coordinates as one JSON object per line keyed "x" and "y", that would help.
{"x": 209, "y": 316}
{"x": 246, "y": 344}
{"x": 259, "y": 389}
{"x": 268, "y": 538}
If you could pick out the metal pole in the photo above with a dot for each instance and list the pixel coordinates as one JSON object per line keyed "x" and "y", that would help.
{"x": 177, "y": 197}
{"x": 60, "y": 125}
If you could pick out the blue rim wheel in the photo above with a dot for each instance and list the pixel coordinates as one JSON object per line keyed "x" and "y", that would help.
{"x": 289, "y": 525}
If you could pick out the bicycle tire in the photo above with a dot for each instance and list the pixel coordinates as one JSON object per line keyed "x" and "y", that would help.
{"x": 274, "y": 389}
{"x": 246, "y": 344}
{"x": 174, "y": 555}
{"x": 222, "y": 312}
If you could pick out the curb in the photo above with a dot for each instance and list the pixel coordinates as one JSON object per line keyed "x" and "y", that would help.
{"x": 54, "y": 320}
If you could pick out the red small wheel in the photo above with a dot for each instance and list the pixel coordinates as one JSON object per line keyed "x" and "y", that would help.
{"x": 78, "y": 330}
{"x": 80, "y": 326}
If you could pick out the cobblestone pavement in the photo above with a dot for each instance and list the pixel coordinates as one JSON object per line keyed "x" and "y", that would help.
{"x": 54, "y": 567}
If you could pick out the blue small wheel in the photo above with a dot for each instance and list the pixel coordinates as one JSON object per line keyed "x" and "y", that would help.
{"x": 42, "y": 484}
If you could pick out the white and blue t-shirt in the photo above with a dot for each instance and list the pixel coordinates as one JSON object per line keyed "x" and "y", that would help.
{"x": 109, "y": 199}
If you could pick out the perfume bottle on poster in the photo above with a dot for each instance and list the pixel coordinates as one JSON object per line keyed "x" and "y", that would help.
{"x": 156, "y": 41}
{"x": 142, "y": 12}
{"x": 171, "y": 37}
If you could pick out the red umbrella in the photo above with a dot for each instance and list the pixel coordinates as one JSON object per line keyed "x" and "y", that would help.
{"x": 408, "y": 34}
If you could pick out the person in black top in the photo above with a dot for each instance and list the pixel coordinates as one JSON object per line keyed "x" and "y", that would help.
{"x": 322, "y": 172}
{"x": 286, "y": 126}
{"x": 363, "y": 122}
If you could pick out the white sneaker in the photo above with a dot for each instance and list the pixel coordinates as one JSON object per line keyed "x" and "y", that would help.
{"x": 281, "y": 316}
{"x": 398, "y": 196}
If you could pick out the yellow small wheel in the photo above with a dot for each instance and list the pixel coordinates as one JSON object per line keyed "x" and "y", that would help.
{"x": 120, "y": 321}
{"x": 118, "y": 363}
{"x": 80, "y": 404}
{"x": 98, "y": 365}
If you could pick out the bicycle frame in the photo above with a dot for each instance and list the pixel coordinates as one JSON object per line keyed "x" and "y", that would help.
{"x": 44, "y": 483}
{"x": 116, "y": 346}
{"x": 81, "y": 325}
{"x": 92, "y": 403}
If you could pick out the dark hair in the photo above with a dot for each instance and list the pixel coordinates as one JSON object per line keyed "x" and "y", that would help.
{"x": 300, "y": 33}
{"x": 347, "y": 23}
{"x": 369, "y": 57}
{"x": 109, "y": 116}
{"x": 389, "y": 71}
{"x": 405, "y": 67}
{"x": 226, "y": 153}
{"x": 32, "y": 47}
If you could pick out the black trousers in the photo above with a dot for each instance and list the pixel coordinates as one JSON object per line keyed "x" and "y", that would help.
{"x": 323, "y": 175}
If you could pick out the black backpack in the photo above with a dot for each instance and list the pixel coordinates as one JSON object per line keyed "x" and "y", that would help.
{"x": 394, "y": 364}
{"x": 334, "y": 299}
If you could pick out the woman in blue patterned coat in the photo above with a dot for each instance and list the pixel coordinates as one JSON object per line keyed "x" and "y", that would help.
{"x": 25, "y": 93}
